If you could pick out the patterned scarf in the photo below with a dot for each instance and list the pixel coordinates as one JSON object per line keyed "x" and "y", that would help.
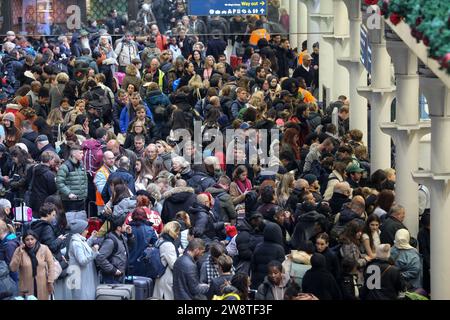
{"x": 242, "y": 188}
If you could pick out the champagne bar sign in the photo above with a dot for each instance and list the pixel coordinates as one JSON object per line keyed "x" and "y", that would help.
{"x": 226, "y": 7}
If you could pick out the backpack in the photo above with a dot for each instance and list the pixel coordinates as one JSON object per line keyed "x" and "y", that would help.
{"x": 92, "y": 155}
{"x": 99, "y": 99}
{"x": 151, "y": 257}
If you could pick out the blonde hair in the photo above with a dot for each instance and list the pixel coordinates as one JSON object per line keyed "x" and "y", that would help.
{"x": 172, "y": 228}
{"x": 55, "y": 117}
{"x": 62, "y": 77}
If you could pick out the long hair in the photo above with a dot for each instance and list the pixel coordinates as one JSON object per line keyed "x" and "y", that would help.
{"x": 366, "y": 230}
{"x": 120, "y": 192}
{"x": 238, "y": 171}
{"x": 350, "y": 231}
{"x": 55, "y": 117}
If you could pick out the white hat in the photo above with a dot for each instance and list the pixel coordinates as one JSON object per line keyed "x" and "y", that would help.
{"x": 402, "y": 238}
{"x": 4, "y": 203}
{"x": 22, "y": 146}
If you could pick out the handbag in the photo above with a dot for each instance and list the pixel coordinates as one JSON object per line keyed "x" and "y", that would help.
{"x": 57, "y": 269}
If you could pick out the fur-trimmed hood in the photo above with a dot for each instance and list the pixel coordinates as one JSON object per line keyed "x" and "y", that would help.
{"x": 177, "y": 190}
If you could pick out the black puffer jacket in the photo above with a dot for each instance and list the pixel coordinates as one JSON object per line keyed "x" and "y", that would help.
{"x": 47, "y": 236}
{"x": 177, "y": 199}
{"x": 205, "y": 224}
{"x": 271, "y": 249}
{"x": 304, "y": 228}
{"x": 44, "y": 185}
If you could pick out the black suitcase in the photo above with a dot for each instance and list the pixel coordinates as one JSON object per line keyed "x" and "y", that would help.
{"x": 143, "y": 286}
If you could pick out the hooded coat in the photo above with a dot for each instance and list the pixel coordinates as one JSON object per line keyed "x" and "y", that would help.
{"x": 7, "y": 284}
{"x": 266, "y": 289}
{"x": 271, "y": 249}
{"x": 319, "y": 281}
{"x": 177, "y": 199}
{"x": 82, "y": 256}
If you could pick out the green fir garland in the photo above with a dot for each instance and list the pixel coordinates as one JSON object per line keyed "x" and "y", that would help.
{"x": 429, "y": 21}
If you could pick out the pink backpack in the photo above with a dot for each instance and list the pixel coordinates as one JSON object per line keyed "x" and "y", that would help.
{"x": 92, "y": 155}
{"x": 119, "y": 76}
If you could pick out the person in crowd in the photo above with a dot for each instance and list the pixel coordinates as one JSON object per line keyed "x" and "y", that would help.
{"x": 319, "y": 281}
{"x": 275, "y": 283}
{"x": 71, "y": 181}
{"x": 82, "y": 253}
{"x": 144, "y": 235}
{"x": 112, "y": 258}
{"x": 371, "y": 236}
{"x": 224, "y": 267}
{"x": 392, "y": 224}
{"x": 186, "y": 280}
{"x": 34, "y": 262}
{"x": 169, "y": 254}
{"x": 407, "y": 259}
{"x": 271, "y": 249}
{"x": 390, "y": 278}
{"x": 322, "y": 247}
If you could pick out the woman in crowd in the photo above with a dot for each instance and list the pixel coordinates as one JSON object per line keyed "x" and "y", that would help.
{"x": 240, "y": 185}
{"x": 36, "y": 267}
{"x": 350, "y": 241}
{"x": 371, "y": 235}
{"x": 322, "y": 243}
{"x": 407, "y": 259}
{"x": 275, "y": 283}
{"x": 169, "y": 254}
{"x": 143, "y": 175}
{"x": 198, "y": 62}
{"x": 144, "y": 235}
{"x": 82, "y": 254}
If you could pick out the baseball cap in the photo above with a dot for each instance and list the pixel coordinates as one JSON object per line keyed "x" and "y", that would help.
{"x": 10, "y": 33}
{"x": 41, "y": 138}
{"x": 311, "y": 178}
{"x": 353, "y": 167}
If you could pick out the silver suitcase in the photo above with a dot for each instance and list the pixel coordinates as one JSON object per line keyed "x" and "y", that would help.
{"x": 115, "y": 292}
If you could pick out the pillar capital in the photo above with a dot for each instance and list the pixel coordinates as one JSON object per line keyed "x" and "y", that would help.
{"x": 385, "y": 94}
{"x": 438, "y": 96}
{"x": 405, "y": 61}
{"x": 397, "y": 130}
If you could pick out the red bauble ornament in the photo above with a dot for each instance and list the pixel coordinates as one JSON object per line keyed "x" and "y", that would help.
{"x": 426, "y": 41}
{"x": 418, "y": 21}
{"x": 395, "y": 18}
{"x": 445, "y": 61}
{"x": 370, "y": 2}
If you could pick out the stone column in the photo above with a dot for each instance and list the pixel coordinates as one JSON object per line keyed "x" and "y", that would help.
{"x": 358, "y": 75}
{"x": 437, "y": 179}
{"x": 406, "y": 131}
{"x": 326, "y": 80}
{"x": 313, "y": 23}
{"x": 380, "y": 95}
{"x": 293, "y": 23}
{"x": 303, "y": 27}
{"x": 339, "y": 40}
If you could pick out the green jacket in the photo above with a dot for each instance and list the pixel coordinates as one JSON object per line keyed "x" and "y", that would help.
{"x": 72, "y": 180}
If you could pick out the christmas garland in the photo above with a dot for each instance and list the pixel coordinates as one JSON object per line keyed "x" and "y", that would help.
{"x": 429, "y": 21}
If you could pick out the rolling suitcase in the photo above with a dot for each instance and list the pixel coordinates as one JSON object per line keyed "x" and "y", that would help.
{"x": 115, "y": 292}
{"x": 143, "y": 286}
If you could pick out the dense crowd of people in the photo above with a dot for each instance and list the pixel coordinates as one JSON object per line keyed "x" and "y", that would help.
{"x": 94, "y": 171}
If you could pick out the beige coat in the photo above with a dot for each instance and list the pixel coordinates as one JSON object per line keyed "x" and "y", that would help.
{"x": 21, "y": 262}
{"x": 235, "y": 194}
